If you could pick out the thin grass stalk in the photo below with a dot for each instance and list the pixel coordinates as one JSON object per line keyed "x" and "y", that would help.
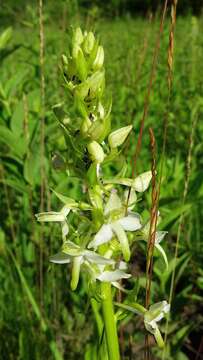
{"x": 147, "y": 96}
{"x": 170, "y": 80}
{"x": 42, "y": 137}
{"x": 149, "y": 89}
{"x": 143, "y": 51}
{"x": 152, "y": 233}
{"x": 180, "y": 225}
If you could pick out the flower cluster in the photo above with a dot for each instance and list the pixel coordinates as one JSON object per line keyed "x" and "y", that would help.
{"x": 106, "y": 217}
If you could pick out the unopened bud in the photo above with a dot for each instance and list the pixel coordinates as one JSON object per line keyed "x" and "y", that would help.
{"x": 99, "y": 60}
{"x": 96, "y": 130}
{"x": 96, "y": 152}
{"x": 77, "y": 37}
{"x": 81, "y": 65}
{"x": 89, "y": 43}
{"x": 64, "y": 59}
{"x": 85, "y": 127}
{"x": 117, "y": 138}
{"x": 141, "y": 182}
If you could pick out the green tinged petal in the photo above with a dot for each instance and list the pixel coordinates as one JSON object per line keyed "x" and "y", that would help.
{"x": 117, "y": 138}
{"x": 77, "y": 261}
{"x": 122, "y": 237}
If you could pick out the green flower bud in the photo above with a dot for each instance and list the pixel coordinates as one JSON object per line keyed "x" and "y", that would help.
{"x": 64, "y": 59}
{"x": 117, "y": 138}
{"x": 81, "y": 65}
{"x": 96, "y": 130}
{"x": 89, "y": 42}
{"x": 85, "y": 127}
{"x": 75, "y": 51}
{"x": 80, "y": 107}
{"x": 99, "y": 60}
{"x": 77, "y": 37}
{"x": 96, "y": 152}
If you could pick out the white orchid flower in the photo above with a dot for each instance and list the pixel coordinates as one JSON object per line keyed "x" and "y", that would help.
{"x": 156, "y": 313}
{"x": 54, "y": 216}
{"x": 60, "y": 216}
{"x": 117, "y": 224}
{"x": 93, "y": 262}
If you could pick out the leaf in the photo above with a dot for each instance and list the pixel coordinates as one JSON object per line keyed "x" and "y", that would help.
{"x": 173, "y": 216}
{"x": 134, "y": 308}
{"x": 71, "y": 203}
{"x": 12, "y": 83}
{"x": 16, "y": 184}
{"x": 5, "y": 37}
{"x": 33, "y": 99}
{"x": 32, "y": 166}
{"x": 17, "y": 119}
{"x": 29, "y": 294}
{"x": 15, "y": 144}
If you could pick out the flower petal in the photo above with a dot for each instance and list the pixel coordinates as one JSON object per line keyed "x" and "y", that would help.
{"x": 65, "y": 210}
{"x": 50, "y": 216}
{"x": 103, "y": 236}
{"x": 72, "y": 249}
{"x": 70, "y": 203}
{"x": 65, "y": 229}
{"x": 131, "y": 222}
{"x": 77, "y": 261}
{"x": 132, "y": 198}
{"x": 60, "y": 258}
{"x": 159, "y": 236}
{"x": 113, "y": 203}
{"x": 93, "y": 257}
{"x": 112, "y": 276}
{"x": 122, "y": 265}
{"x": 161, "y": 250}
{"x": 122, "y": 237}
{"x": 141, "y": 182}
{"x": 163, "y": 306}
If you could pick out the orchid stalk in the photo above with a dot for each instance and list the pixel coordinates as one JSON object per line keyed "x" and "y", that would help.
{"x": 105, "y": 215}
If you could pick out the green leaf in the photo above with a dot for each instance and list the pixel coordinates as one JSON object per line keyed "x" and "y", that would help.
{"x": 174, "y": 215}
{"x": 12, "y": 83}
{"x": 32, "y": 166}
{"x": 16, "y": 145}
{"x": 5, "y": 37}
{"x": 29, "y": 294}
{"x": 17, "y": 119}
{"x": 71, "y": 203}
{"x": 16, "y": 184}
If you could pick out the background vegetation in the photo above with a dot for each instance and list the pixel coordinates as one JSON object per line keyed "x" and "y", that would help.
{"x": 40, "y": 317}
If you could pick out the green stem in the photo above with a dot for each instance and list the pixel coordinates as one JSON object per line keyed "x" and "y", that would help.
{"x": 109, "y": 322}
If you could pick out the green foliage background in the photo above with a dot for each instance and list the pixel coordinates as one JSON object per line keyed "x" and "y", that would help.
{"x": 50, "y": 321}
